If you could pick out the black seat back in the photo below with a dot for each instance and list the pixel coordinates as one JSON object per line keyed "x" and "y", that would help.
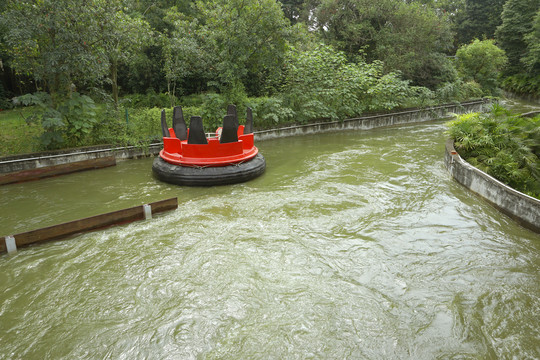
{"x": 248, "y": 128}
{"x": 231, "y": 110}
{"x": 164, "y": 126}
{"x": 230, "y": 130}
{"x": 179, "y": 124}
{"x": 196, "y": 131}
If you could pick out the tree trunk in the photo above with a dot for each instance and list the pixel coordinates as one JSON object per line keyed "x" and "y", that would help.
{"x": 54, "y": 89}
{"x": 114, "y": 81}
{"x": 171, "y": 88}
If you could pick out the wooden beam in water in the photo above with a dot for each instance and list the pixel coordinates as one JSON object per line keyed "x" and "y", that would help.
{"x": 54, "y": 170}
{"x": 80, "y": 226}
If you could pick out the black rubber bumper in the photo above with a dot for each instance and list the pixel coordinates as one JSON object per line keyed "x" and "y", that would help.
{"x": 208, "y": 176}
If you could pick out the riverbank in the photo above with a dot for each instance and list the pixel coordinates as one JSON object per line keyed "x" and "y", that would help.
{"x": 26, "y": 162}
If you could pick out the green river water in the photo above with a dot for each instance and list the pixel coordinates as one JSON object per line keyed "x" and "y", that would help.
{"x": 352, "y": 245}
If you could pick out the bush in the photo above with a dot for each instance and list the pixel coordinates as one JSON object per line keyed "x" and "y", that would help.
{"x": 269, "y": 112}
{"x": 420, "y": 96}
{"x": 149, "y": 100}
{"x": 145, "y": 124}
{"x": 66, "y": 124}
{"x": 458, "y": 91}
{"x": 191, "y": 100}
{"x": 522, "y": 84}
{"x": 388, "y": 92}
{"x": 321, "y": 83}
{"x": 213, "y": 109}
{"x": 506, "y": 147}
{"x": 482, "y": 62}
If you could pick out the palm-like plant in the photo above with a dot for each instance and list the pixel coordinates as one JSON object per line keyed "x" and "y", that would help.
{"x": 503, "y": 145}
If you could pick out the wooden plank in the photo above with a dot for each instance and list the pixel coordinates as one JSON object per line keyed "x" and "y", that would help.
{"x": 54, "y": 170}
{"x": 67, "y": 229}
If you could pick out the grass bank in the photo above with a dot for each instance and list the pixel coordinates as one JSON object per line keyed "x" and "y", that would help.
{"x": 16, "y": 135}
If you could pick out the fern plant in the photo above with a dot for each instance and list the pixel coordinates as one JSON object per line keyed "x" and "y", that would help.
{"x": 503, "y": 145}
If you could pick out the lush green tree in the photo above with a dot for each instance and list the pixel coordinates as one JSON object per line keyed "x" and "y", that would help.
{"x": 415, "y": 41}
{"x": 186, "y": 56}
{"x": 55, "y": 42}
{"x": 68, "y": 44}
{"x": 517, "y": 23}
{"x": 321, "y": 83}
{"x": 155, "y": 12}
{"x": 122, "y": 38}
{"x": 531, "y": 59}
{"x": 351, "y": 25}
{"x": 4, "y": 102}
{"x": 478, "y": 20}
{"x": 144, "y": 72}
{"x": 406, "y": 36}
{"x": 452, "y": 7}
{"x": 481, "y": 61}
{"x": 292, "y": 9}
{"x": 247, "y": 39}
{"x": 448, "y": 7}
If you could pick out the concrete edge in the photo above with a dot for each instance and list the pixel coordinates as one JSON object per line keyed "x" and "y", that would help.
{"x": 375, "y": 121}
{"x": 521, "y": 207}
{"x": 40, "y": 160}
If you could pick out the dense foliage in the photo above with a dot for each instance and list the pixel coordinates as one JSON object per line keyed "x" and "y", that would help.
{"x": 519, "y": 36}
{"x": 64, "y": 125}
{"x": 321, "y": 84}
{"x": 291, "y": 60}
{"x": 183, "y": 47}
{"x": 503, "y": 145}
{"x": 481, "y": 61}
{"x": 408, "y": 37}
{"x": 70, "y": 44}
{"x": 478, "y": 19}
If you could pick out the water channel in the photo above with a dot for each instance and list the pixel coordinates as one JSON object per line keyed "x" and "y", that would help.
{"x": 352, "y": 245}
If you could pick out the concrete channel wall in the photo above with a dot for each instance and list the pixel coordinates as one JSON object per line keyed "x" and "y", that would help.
{"x": 41, "y": 160}
{"x": 379, "y": 120}
{"x": 522, "y": 208}
{"x": 529, "y": 97}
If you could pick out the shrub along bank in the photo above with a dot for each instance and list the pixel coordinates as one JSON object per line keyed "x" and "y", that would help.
{"x": 501, "y": 144}
{"x": 23, "y": 131}
{"x": 317, "y": 84}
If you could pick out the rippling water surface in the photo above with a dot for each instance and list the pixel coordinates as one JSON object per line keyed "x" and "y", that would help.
{"x": 351, "y": 246}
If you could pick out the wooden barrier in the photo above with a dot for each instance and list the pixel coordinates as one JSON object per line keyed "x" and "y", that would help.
{"x": 54, "y": 170}
{"x": 64, "y": 230}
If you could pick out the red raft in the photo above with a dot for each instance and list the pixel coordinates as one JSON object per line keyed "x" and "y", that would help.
{"x": 192, "y": 157}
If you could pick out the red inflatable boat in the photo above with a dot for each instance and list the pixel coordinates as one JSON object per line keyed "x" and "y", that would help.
{"x": 192, "y": 157}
